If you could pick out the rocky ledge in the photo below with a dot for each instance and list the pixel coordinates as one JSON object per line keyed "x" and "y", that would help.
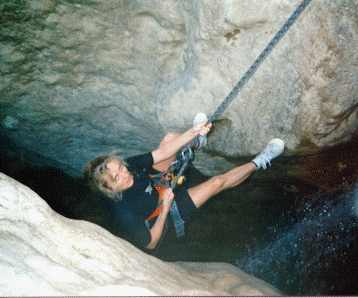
{"x": 44, "y": 253}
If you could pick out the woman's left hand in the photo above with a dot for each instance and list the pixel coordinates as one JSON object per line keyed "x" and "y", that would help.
{"x": 202, "y": 128}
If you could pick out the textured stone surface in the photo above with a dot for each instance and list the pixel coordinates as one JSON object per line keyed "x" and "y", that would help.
{"x": 80, "y": 78}
{"x": 43, "y": 253}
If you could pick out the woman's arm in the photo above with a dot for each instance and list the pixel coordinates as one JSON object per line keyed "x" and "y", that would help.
{"x": 172, "y": 147}
{"x": 157, "y": 230}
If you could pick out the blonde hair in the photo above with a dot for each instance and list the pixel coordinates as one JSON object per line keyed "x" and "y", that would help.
{"x": 96, "y": 175}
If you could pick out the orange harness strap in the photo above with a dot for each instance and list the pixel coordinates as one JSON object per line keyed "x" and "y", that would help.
{"x": 160, "y": 189}
{"x": 161, "y": 184}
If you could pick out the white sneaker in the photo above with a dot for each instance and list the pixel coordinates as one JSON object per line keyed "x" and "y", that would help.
{"x": 200, "y": 141}
{"x": 273, "y": 149}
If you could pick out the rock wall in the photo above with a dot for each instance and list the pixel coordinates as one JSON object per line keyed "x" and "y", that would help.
{"x": 45, "y": 254}
{"x": 80, "y": 78}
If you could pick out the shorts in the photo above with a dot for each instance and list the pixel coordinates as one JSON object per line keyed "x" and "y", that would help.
{"x": 185, "y": 204}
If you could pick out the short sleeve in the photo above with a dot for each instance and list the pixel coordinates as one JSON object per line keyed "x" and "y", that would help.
{"x": 140, "y": 161}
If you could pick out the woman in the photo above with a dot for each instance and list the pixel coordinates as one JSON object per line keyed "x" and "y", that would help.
{"x": 129, "y": 183}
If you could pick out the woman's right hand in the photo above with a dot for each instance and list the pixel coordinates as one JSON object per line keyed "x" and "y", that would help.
{"x": 157, "y": 230}
{"x": 168, "y": 198}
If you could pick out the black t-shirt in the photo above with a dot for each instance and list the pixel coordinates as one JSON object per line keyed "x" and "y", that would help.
{"x": 138, "y": 202}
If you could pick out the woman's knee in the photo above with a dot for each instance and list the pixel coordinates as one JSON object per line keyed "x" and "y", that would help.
{"x": 204, "y": 191}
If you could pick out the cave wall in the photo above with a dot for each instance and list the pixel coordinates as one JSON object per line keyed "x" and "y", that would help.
{"x": 81, "y": 78}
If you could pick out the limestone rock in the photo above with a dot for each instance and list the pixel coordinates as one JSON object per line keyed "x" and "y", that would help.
{"x": 45, "y": 254}
{"x": 230, "y": 279}
{"x": 81, "y": 79}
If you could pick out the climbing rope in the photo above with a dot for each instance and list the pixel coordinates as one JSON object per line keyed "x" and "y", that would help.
{"x": 259, "y": 60}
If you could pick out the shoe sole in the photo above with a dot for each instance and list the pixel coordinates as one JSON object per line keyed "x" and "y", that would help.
{"x": 200, "y": 117}
{"x": 278, "y": 145}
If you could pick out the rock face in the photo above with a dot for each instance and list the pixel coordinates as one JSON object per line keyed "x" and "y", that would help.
{"x": 43, "y": 253}
{"x": 82, "y": 78}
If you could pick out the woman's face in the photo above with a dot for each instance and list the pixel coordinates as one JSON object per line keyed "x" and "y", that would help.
{"x": 121, "y": 178}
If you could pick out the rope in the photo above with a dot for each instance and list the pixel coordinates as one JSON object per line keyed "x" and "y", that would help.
{"x": 259, "y": 60}
{"x": 186, "y": 155}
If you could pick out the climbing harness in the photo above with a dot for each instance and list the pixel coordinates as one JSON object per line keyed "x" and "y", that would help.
{"x": 169, "y": 179}
{"x": 186, "y": 153}
{"x": 259, "y": 60}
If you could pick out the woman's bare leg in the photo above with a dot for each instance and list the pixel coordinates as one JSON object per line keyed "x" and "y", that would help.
{"x": 164, "y": 165}
{"x": 204, "y": 191}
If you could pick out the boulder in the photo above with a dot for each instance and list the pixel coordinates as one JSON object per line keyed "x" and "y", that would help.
{"x": 45, "y": 254}
{"x": 85, "y": 78}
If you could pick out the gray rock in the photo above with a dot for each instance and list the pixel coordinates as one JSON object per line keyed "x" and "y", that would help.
{"x": 45, "y": 254}
{"x": 84, "y": 79}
